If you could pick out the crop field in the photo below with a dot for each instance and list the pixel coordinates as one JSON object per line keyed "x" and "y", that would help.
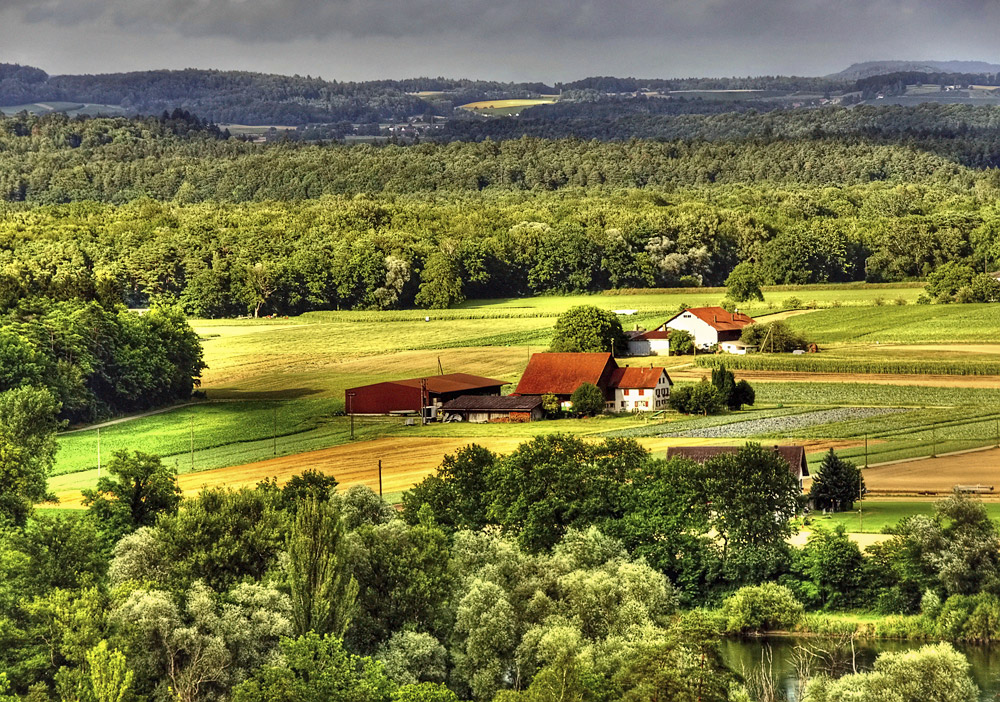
{"x": 904, "y": 324}
{"x": 502, "y": 108}
{"x": 275, "y": 386}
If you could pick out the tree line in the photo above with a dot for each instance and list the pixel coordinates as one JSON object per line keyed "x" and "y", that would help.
{"x": 218, "y": 259}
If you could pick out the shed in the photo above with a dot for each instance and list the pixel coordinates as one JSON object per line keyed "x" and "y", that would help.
{"x": 649, "y": 343}
{"x": 480, "y": 409}
{"x": 412, "y": 394}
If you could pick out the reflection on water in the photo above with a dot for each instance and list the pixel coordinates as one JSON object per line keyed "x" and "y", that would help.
{"x": 782, "y": 660}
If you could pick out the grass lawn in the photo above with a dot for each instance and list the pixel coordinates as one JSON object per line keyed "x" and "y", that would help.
{"x": 876, "y": 515}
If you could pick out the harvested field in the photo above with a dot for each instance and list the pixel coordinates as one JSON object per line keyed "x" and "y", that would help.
{"x": 405, "y": 462}
{"x": 937, "y": 476}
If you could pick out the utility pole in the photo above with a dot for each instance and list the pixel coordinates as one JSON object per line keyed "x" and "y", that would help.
{"x": 866, "y": 449}
{"x": 192, "y": 443}
{"x": 380, "y": 477}
{"x": 350, "y": 404}
{"x": 274, "y": 429}
{"x": 98, "y": 453}
{"x": 933, "y": 442}
{"x": 423, "y": 401}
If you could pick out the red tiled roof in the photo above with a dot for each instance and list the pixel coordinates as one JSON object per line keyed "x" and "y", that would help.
{"x": 654, "y": 334}
{"x": 718, "y": 318}
{"x": 633, "y": 377}
{"x": 795, "y": 456}
{"x": 562, "y": 373}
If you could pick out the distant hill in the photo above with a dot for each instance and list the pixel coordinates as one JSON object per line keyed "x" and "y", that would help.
{"x": 868, "y": 69}
{"x": 254, "y": 98}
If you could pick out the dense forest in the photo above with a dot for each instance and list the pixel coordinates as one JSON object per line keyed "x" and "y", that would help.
{"x": 171, "y": 208}
{"x": 357, "y": 252}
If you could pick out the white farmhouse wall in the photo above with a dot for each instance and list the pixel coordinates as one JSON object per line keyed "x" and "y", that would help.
{"x": 704, "y": 334}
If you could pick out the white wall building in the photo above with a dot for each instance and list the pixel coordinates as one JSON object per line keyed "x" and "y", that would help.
{"x": 640, "y": 389}
{"x": 709, "y": 325}
{"x": 649, "y": 343}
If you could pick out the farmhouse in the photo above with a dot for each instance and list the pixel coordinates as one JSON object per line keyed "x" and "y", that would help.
{"x": 795, "y": 456}
{"x": 648, "y": 343}
{"x": 709, "y": 325}
{"x": 490, "y": 408}
{"x": 641, "y": 389}
{"x": 412, "y": 394}
{"x": 625, "y": 389}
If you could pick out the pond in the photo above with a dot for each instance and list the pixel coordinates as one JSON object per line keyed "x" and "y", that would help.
{"x": 782, "y": 658}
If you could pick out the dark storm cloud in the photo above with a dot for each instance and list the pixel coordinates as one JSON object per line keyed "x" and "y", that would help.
{"x": 281, "y": 20}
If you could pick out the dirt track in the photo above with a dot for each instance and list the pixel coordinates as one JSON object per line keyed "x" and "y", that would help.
{"x": 939, "y": 475}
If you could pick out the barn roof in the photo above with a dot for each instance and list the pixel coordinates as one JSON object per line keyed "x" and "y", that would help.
{"x": 794, "y": 455}
{"x": 562, "y": 373}
{"x": 633, "y": 377}
{"x": 451, "y": 382}
{"x": 718, "y": 318}
{"x": 654, "y": 334}
{"x": 510, "y": 403}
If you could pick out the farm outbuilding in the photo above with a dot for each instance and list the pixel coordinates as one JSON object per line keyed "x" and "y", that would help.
{"x": 412, "y": 394}
{"x": 795, "y": 456}
{"x": 649, "y": 343}
{"x": 480, "y": 409}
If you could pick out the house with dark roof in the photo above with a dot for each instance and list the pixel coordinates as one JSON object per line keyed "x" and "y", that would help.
{"x": 641, "y": 389}
{"x": 487, "y": 408}
{"x": 709, "y": 325}
{"x": 413, "y": 394}
{"x": 795, "y": 456}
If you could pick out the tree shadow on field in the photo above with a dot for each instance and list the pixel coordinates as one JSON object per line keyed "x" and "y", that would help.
{"x": 285, "y": 394}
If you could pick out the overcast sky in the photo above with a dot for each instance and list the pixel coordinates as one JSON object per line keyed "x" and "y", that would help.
{"x": 548, "y": 40}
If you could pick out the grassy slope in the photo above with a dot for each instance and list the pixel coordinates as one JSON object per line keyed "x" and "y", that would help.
{"x": 908, "y": 324}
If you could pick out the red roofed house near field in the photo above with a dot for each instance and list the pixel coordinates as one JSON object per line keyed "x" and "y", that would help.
{"x": 414, "y": 393}
{"x": 709, "y": 325}
{"x": 648, "y": 343}
{"x": 795, "y": 456}
{"x": 625, "y": 389}
{"x": 641, "y": 389}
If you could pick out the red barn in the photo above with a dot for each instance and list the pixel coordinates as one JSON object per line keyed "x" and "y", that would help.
{"x": 405, "y": 395}
{"x": 560, "y": 374}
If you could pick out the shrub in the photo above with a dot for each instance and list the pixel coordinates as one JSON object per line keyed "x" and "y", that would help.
{"x": 587, "y": 400}
{"x": 702, "y": 398}
{"x": 761, "y": 608}
{"x": 792, "y": 303}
